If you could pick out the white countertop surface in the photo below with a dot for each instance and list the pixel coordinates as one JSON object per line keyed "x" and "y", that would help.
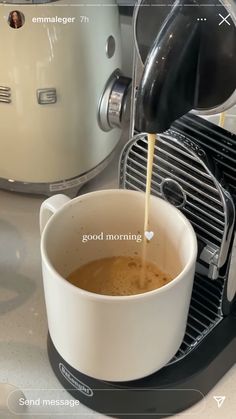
{"x": 23, "y": 325}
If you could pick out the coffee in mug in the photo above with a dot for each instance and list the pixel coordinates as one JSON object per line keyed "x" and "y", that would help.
{"x": 118, "y": 275}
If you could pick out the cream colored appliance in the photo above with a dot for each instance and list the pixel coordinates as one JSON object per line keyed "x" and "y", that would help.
{"x": 61, "y": 93}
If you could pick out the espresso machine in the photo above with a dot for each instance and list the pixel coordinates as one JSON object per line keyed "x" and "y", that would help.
{"x": 62, "y": 93}
{"x": 184, "y": 66}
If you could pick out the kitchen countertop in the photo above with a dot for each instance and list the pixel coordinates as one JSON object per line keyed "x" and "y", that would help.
{"x": 23, "y": 325}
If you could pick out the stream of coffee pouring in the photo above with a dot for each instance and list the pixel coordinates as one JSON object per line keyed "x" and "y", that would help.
{"x": 156, "y": 106}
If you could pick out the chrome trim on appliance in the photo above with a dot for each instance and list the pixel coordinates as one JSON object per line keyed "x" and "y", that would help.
{"x": 210, "y": 255}
{"x": 104, "y": 101}
{"x": 5, "y": 94}
{"x": 114, "y": 103}
{"x": 231, "y": 285}
{"x": 69, "y": 186}
{"x": 119, "y": 102}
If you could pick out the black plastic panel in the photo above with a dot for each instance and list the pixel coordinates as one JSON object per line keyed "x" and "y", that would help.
{"x": 169, "y": 391}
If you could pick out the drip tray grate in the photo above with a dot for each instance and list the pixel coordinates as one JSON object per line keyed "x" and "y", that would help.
{"x": 204, "y": 209}
{"x": 204, "y": 313}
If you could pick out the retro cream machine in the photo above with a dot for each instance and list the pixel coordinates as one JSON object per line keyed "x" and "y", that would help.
{"x": 61, "y": 93}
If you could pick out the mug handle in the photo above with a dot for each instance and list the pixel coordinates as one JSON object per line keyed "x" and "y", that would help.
{"x": 49, "y": 207}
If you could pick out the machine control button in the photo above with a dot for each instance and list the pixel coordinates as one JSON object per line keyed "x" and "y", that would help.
{"x": 114, "y": 105}
{"x": 47, "y": 96}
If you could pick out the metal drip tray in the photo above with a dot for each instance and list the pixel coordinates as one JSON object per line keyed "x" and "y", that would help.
{"x": 204, "y": 313}
{"x": 179, "y": 160}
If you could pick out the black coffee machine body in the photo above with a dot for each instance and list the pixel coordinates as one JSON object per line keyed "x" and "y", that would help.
{"x": 185, "y": 60}
{"x": 194, "y": 169}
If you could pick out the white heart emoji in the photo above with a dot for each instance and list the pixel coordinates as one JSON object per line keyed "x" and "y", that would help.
{"x": 149, "y": 235}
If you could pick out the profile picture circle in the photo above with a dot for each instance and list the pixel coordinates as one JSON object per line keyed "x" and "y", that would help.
{"x": 16, "y": 19}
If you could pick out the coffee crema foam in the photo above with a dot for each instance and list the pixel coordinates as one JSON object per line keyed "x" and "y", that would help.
{"x": 118, "y": 276}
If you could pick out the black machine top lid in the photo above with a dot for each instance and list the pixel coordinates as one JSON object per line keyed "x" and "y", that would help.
{"x": 189, "y": 56}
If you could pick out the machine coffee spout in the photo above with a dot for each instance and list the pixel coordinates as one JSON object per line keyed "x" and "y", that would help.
{"x": 191, "y": 65}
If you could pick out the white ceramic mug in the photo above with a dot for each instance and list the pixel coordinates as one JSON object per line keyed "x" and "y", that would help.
{"x": 115, "y": 338}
